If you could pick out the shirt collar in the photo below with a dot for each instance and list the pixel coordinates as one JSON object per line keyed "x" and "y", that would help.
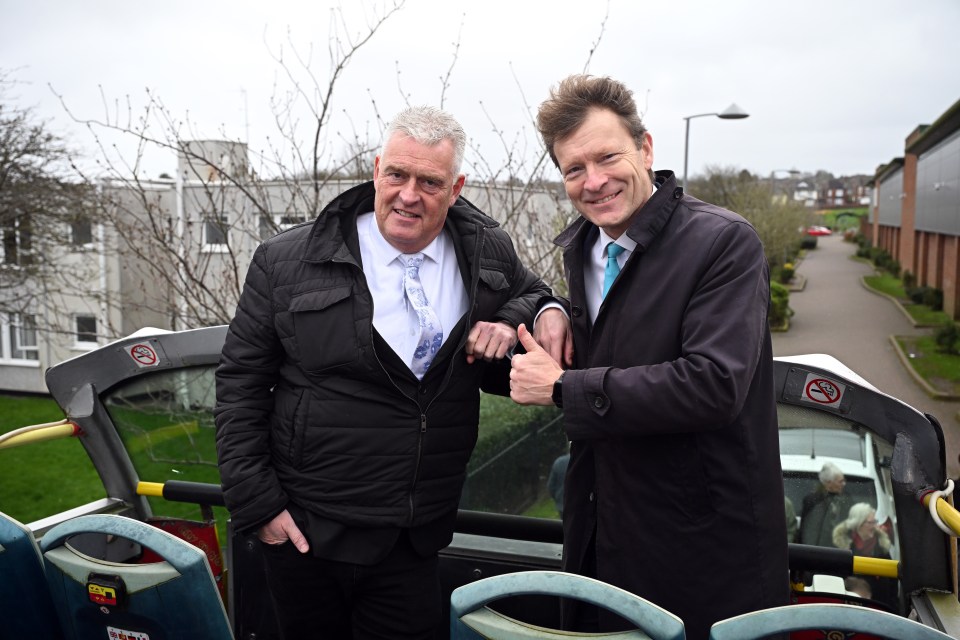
{"x": 385, "y": 253}
{"x": 625, "y": 241}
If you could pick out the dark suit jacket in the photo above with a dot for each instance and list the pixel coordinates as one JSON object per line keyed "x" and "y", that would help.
{"x": 670, "y": 408}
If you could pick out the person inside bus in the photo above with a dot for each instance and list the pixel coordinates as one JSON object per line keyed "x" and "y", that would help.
{"x": 860, "y": 534}
{"x": 824, "y": 508}
{"x": 791, "y": 518}
{"x": 348, "y": 387}
{"x": 674, "y": 490}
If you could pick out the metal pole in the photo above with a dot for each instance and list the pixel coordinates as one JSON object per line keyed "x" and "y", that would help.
{"x": 686, "y": 148}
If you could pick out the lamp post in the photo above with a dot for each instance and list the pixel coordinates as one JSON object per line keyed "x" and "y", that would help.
{"x": 733, "y": 112}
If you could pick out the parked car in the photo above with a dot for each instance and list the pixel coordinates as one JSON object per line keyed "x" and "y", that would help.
{"x": 818, "y": 230}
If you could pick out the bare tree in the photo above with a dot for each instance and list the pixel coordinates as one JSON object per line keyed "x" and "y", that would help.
{"x": 180, "y": 246}
{"x": 46, "y": 222}
{"x": 777, "y": 221}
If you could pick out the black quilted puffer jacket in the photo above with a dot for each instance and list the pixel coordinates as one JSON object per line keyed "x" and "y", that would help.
{"x": 309, "y": 411}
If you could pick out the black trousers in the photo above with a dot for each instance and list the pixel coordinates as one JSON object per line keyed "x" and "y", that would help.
{"x": 398, "y": 597}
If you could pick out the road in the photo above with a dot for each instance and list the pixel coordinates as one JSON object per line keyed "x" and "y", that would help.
{"x": 835, "y": 314}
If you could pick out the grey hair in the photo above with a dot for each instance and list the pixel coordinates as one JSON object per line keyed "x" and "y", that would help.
{"x": 858, "y": 515}
{"x": 829, "y": 472}
{"x": 429, "y": 126}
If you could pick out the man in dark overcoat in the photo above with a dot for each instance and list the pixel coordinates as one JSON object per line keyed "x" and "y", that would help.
{"x": 674, "y": 490}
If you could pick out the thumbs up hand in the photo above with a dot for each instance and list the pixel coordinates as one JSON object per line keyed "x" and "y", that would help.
{"x": 533, "y": 373}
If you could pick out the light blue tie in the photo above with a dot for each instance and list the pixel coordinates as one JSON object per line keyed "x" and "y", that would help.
{"x": 613, "y": 267}
{"x": 431, "y": 333}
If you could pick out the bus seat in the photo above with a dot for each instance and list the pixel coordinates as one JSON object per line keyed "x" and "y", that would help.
{"x": 828, "y": 618}
{"x": 174, "y": 598}
{"x": 470, "y": 618}
{"x": 26, "y": 609}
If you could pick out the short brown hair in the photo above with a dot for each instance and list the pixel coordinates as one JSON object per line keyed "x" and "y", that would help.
{"x": 571, "y": 100}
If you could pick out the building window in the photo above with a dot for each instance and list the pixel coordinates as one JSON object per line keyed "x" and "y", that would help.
{"x": 289, "y": 221}
{"x": 215, "y": 233}
{"x": 81, "y": 233}
{"x": 266, "y": 227}
{"x": 86, "y": 330}
{"x": 17, "y": 242}
{"x": 19, "y": 337}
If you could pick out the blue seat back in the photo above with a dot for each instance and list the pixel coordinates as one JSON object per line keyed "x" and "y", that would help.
{"x": 26, "y": 610}
{"x": 825, "y": 617}
{"x": 470, "y": 618}
{"x": 175, "y": 598}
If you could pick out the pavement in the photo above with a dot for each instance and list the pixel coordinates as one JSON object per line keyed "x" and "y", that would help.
{"x": 835, "y": 314}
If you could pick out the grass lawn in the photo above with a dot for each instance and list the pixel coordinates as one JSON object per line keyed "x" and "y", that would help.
{"x": 893, "y": 287}
{"x": 940, "y": 370}
{"x": 543, "y": 508}
{"x": 38, "y": 480}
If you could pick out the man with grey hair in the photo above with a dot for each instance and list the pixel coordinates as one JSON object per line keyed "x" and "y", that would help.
{"x": 347, "y": 391}
{"x": 825, "y": 508}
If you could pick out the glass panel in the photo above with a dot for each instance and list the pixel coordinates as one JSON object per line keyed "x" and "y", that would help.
{"x": 510, "y": 469}
{"x": 81, "y": 232}
{"x": 166, "y": 423}
{"x": 852, "y": 506}
{"x": 86, "y": 329}
{"x": 23, "y": 337}
{"x": 214, "y": 231}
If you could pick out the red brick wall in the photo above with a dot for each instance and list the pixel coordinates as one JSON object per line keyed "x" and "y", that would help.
{"x": 951, "y": 276}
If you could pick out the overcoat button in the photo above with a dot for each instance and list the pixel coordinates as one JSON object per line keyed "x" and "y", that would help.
{"x": 598, "y": 402}
{"x": 591, "y": 498}
{"x": 678, "y": 193}
{"x": 577, "y": 312}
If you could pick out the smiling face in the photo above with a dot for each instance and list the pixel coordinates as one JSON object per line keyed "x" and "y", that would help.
{"x": 415, "y": 186}
{"x": 606, "y": 177}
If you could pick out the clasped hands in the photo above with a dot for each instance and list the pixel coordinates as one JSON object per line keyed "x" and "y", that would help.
{"x": 548, "y": 351}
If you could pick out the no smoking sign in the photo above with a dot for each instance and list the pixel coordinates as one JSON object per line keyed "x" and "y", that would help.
{"x": 144, "y": 355}
{"x": 822, "y": 391}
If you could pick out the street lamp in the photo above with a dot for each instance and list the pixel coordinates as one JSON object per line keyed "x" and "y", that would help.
{"x": 733, "y": 112}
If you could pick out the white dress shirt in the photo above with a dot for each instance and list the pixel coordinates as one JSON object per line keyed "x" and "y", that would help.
{"x": 595, "y": 267}
{"x": 393, "y": 317}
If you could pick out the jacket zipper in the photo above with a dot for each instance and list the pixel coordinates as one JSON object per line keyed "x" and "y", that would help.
{"x": 472, "y": 297}
{"x": 475, "y": 279}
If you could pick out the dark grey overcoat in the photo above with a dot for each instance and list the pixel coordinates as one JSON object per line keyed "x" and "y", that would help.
{"x": 670, "y": 409}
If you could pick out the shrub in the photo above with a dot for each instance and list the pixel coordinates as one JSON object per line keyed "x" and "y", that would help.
{"x": 933, "y": 298}
{"x": 916, "y": 294}
{"x": 786, "y": 273}
{"x": 947, "y": 337}
{"x": 780, "y": 310}
{"x": 909, "y": 280}
{"x": 808, "y": 242}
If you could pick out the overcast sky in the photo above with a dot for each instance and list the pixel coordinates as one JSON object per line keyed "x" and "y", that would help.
{"x": 834, "y": 85}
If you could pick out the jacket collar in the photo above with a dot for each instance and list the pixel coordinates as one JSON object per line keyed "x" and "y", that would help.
{"x": 647, "y": 222}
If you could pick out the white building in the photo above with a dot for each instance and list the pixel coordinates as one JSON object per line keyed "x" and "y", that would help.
{"x": 172, "y": 254}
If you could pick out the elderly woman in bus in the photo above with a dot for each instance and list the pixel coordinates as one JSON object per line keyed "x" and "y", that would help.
{"x": 860, "y": 533}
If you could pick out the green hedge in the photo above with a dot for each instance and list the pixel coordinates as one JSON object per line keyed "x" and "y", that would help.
{"x": 516, "y": 448}
{"x": 780, "y": 310}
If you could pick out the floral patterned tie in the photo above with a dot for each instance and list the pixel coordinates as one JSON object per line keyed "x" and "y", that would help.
{"x": 431, "y": 333}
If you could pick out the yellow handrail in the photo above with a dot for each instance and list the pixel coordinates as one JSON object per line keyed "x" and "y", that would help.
{"x": 948, "y": 514}
{"x": 39, "y": 433}
{"x": 152, "y": 489}
{"x": 882, "y": 567}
